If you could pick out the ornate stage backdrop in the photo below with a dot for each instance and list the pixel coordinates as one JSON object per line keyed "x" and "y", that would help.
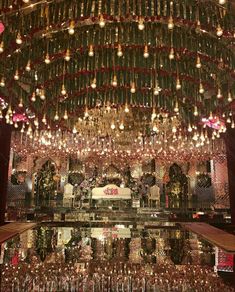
{"x": 208, "y": 181}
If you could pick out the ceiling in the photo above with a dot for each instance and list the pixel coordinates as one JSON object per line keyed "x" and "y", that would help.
{"x": 61, "y": 58}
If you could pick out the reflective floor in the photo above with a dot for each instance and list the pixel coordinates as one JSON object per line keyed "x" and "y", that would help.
{"x": 117, "y": 258}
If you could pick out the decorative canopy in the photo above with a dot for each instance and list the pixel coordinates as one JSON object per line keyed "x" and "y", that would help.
{"x": 63, "y": 59}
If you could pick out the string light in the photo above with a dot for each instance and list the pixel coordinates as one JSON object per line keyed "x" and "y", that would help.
{"x": 126, "y": 110}
{"x": 114, "y": 81}
{"x": 56, "y": 117}
{"x": 65, "y": 115}
{"x": 2, "y": 82}
{"x": 16, "y": 76}
{"x": 47, "y": 59}
{"x": 19, "y": 39}
{"x": 201, "y": 88}
{"x": 141, "y": 23}
{"x": 71, "y": 27}
{"x": 178, "y": 85}
{"x": 170, "y": 23}
{"x": 91, "y": 51}
{"x": 172, "y": 54}
{"x": 33, "y": 97}
{"x": 101, "y": 21}
{"x": 198, "y": 64}
{"x": 67, "y": 55}
{"x": 219, "y": 94}
{"x": 133, "y": 89}
{"x": 28, "y": 66}
{"x": 119, "y": 52}
{"x": 230, "y": 99}
{"x": 93, "y": 84}
{"x": 63, "y": 90}
{"x": 1, "y": 47}
{"x": 21, "y": 102}
{"x": 219, "y": 31}
{"x": 121, "y": 126}
{"x": 146, "y": 52}
{"x": 42, "y": 94}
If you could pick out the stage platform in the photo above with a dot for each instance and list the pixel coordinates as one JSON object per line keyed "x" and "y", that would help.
{"x": 13, "y": 229}
{"x": 216, "y": 236}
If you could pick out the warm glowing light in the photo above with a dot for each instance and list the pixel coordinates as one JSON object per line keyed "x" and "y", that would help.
{"x": 101, "y": 21}
{"x": 19, "y": 39}
{"x": 146, "y": 52}
{"x": 71, "y": 27}
{"x": 141, "y": 23}
{"x": 91, "y": 51}
{"x": 119, "y": 52}
{"x": 170, "y": 23}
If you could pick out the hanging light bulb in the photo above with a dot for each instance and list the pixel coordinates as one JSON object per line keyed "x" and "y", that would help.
{"x": 91, "y": 51}
{"x": 65, "y": 115}
{"x": 230, "y": 97}
{"x": 211, "y": 116}
{"x": 33, "y": 97}
{"x": 101, "y": 21}
{"x": 28, "y": 66}
{"x": 201, "y": 88}
{"x": 113, "y": 125}
{"x": 67, "y": 55}
{"x": 36, "y": 123}
{"x": 2, "y": 82}
{"x": 86, "y": 113}
{"x": 146, "y": 52}
{"x": 71, "y": 27}
{"x": 155, "y": 128}
{"x": 189, "y": 128}
{"x": 26, "y": 1}
{"x": 121, "y": 126}
{"x": 133, "y": 89}
{"x": 141, "y": 23}
{"x": 93, "y": 84}
{"x": 47, "y": 59}
{"x": 170, "y": 23}
{"x": 174, "y": 130}
{"x": 222, "y": 2}
{"x": 172, "y": 54}
{"x": 195, "y": 111}
{"x": 16, "y": 76}
{"x": 219, "y": 95}
{"x": 56, "y": 117}
{"x": 42, "y": 94}
{"x": 44, "y": 120}
{"x": 176, "y": 108}
{"x": 63, "y": 90}
{"x": 114, "y": 81}
{"x": 198, "y": 64}
{"x": 1, "y": 47}
{"x": 19, "y": 39}
{"x": 229, "y": 120}
{"x": 21, "y": 102}
{"x": 74, "y": 130}
{"x": 198, "y": 27}
{"x": 178, "y": 85}
{"x": 16, "y": 125}
{"x": 126, "y": 108}
{"x": 1, "y": 115}
{"x": 154, "y": 115}
{"x": 219, "y": 31}
{"x": 119, "y": 52}
{"x": 9, "y": 111}
{"x": 233, "y": 125}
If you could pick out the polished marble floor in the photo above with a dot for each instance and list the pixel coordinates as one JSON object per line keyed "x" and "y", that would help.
{"x": 116, "y": 257}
